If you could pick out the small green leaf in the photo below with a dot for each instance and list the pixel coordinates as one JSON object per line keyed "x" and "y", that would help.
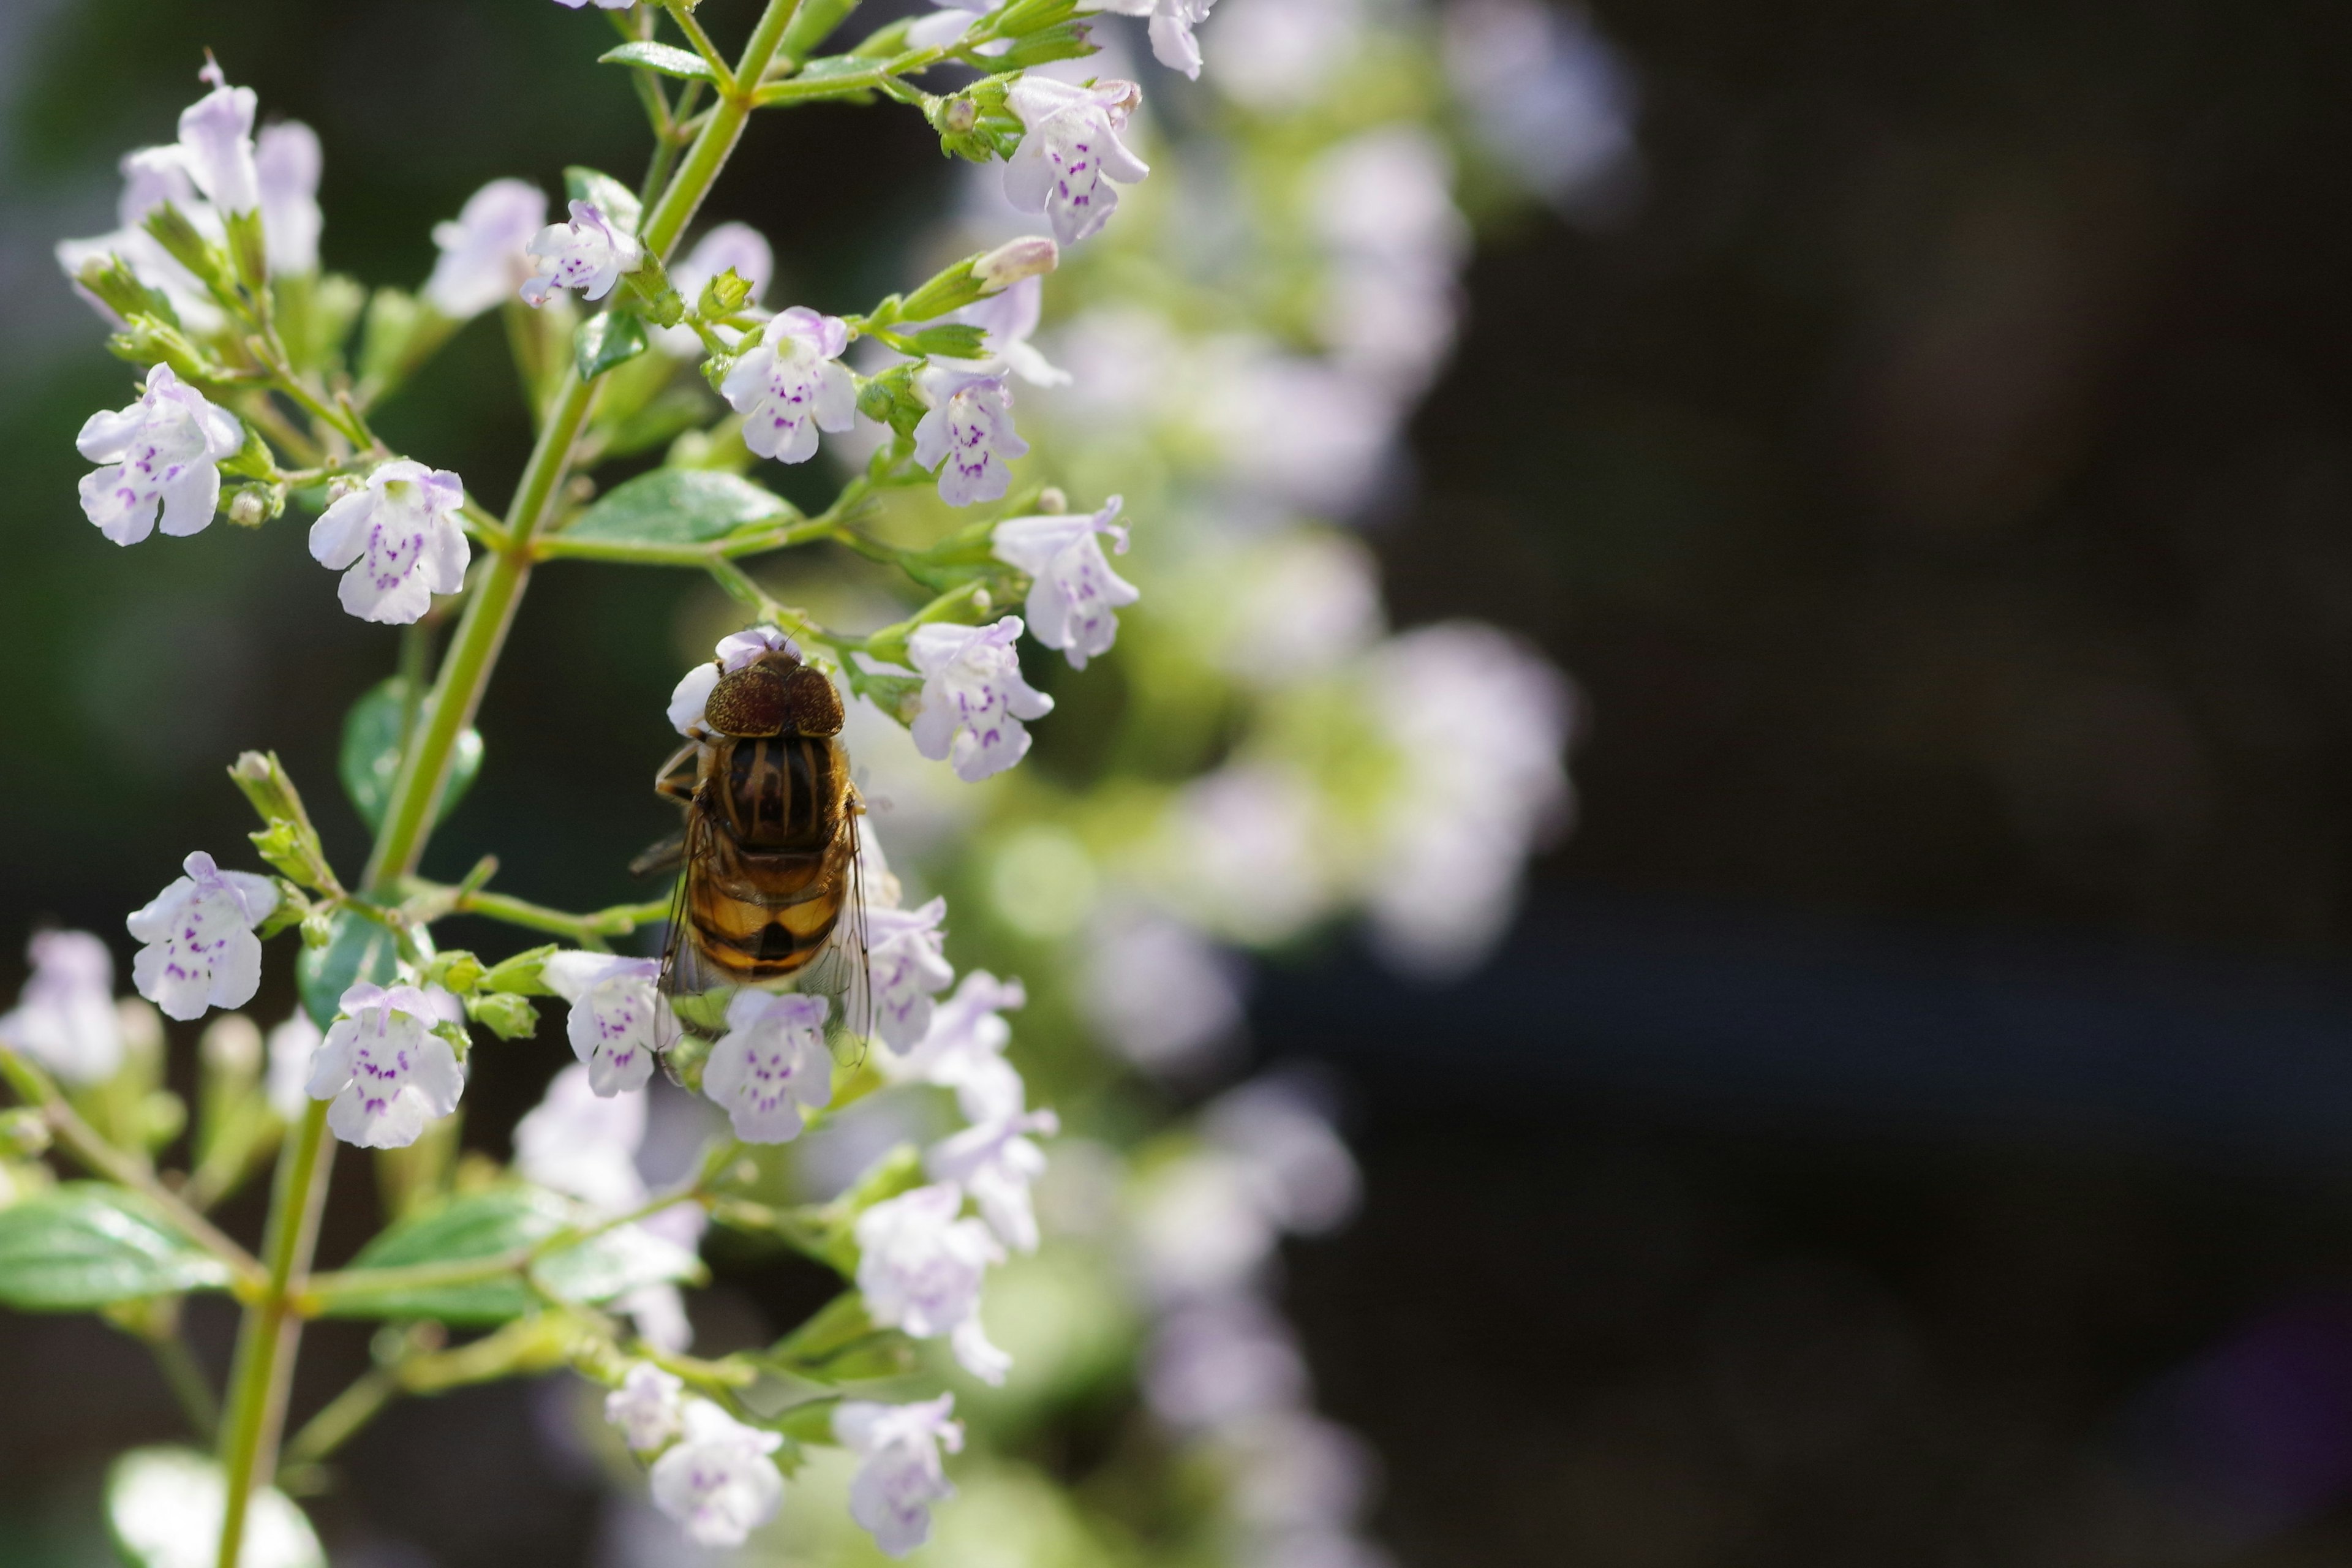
{"x": 160, "y": 1500}
{"x": 86, "y": 1244}
{"x": 606, "y": 339}
{"x": 370, "y": 753}
{"x": 613, "y": 199}
{"x": 494, "y": 1224}
{"x": 684, "y": 63}
{"x": 680, "y": 506}
{"x": 357, "y": 949}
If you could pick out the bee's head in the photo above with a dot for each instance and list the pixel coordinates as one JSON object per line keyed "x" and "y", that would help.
{"x": 778, "y": 695}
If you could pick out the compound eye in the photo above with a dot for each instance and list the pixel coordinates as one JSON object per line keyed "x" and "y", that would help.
{"x": 748, "y": 703}
{"x": 812, "y": 706}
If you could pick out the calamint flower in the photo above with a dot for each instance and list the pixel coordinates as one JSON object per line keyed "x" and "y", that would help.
{"x": 920, "y": 1268}
{"x": 588, "y": 253}
{"x": 386, "y": 1071}
{"x": 718, "y": 1480}
{"x": 217, "y": 141}
{"x": 160, "y": 454}
{"x": 995, "y": 1163}
{"x": 1073, "y": 591}
{"x": 1172, "y": 21}
{"x": 1009, "y": 318}
{"x": 200, "y": 951}
{"x": 151, "y": 176}
{"x": 619, "y": 1018}
{"x": 292, "y": 1046}
{"x": 65, "y": 1017}
{"x": 901, "y": 1476}
{"x": 770, "y": 1066}
{"x": 903, "y": 959}
{"x": 973, "y": 697}
{"x": 648, "y": 1407}
{"x": 399, "y": 535}
{"x": 483, "y": 256}
{"x": 287, "y": 161}
{"x": 964, "y": 1049}
{"x": 1065, "y": 165}
{"x": 967, "y": 434}
{"x": 791, "y": 384}
{"x": 736, "y": 247}
{"x": 739, "y": 650}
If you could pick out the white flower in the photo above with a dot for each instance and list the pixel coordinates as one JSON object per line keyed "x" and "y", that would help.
{"x": 967, "y": 434}
{"x": 619, "y": 1018}
{"x": 159, "y": 453}
{"x": 1015, "y": 261}
{"x": 973, "y": 697}
{"x": 739, "y": 650}
{"x": 1300, "y": 1174}
{"x": 717, "y": 1482}
{"x": 287, "y": 161}
{"x": 1172, "y": 22}
{"x": 1010, "y": 318}
{"x": 216, "y": 141}
{"x": 1200, "y": 1229}
{"x": 646, "y": 1407}
{"x": 386, "y": 1071}
{"x": 583, "y": 1143}
{"x": 1300, "y": 605}
{"x": 483, "y": 257}
{"x": 1223, "y": 1360}
{"x": 995, "y": 1163}
{"x": 65, "y": 1017}
{"x": 1311, "y": 435}
{"x": 151, "y": 176}
{"x": 920, "y": 1266}
{"x": 1387, "y": 197}
{"x": 771, "y": 1064}
{"x": 1167, "y": 998}
{"x": 903, "y": 956}
{"x": 901, "y": 1478}
{"x": 1064, "y": 164}
{"x": 292, "y": 1046}
{"x": 587, "y": 253}
{"x": 200, "y": 951}
{"x": 400, "y": 537}
{"x": 1278, "y": 55}
{"x": 1246, "y": 853}
{"x": 791, "y": 384}
{"x": 736, "y": 247}
{"x": 1073, "y": 591}
{"x": 964, "y": 1049}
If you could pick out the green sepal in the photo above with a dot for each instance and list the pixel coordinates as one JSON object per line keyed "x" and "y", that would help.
{"x": 723, "y": 295}
{"x": 607, "y": 338}
{"x": 315, "y": 316}
{"x": 890, "y": 399}
{"x": 290, "y": 842}
{"x": 839, "y": 1345}
{"x": 187, "y": 245}
{"x": 457, "y": 971}
{"x": 1063, "y": 41}
{"x": 111, "y": 280}
{"x": 369, "y": 760}
{"x": 899, "y": 696}
{"x": 357, "y": 949}
{"x": 509, "y": 1017}
{"x": 248, "y": 249}
{"x": 292, "y": 908}
{"x": 83, "y": 1244}
{"x": 520, "y": 975}
{"x": 613, "y": 199}
{"x": 253, "y": 461}
{"x": 147, "y": 340}
{"x": 950, "y": 339}
{"x": 666, "y": 58}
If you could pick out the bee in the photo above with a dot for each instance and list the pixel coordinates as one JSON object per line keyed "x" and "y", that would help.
{"x": 773, "y": 886}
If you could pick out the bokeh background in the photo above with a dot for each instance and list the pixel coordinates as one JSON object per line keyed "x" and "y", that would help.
{"x": 1912, "y": 1122}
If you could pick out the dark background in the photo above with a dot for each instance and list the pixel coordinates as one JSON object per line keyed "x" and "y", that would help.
{"x": 1910, "y": 1126}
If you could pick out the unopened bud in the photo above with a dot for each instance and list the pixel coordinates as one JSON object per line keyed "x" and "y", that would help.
{"x": 507, "y": 1017}
{"x": 959, "y": 116}
{"x": 1032, "y": 255}
{"x": 143, "y": 1030}
{"x": 24, "y": 1132}
{"x": 232, "y": 1043}
{"x": 343, "y": 485}
{"x": 981, "y": 601}
{"x": 247, "y": 510}
{"x": 1052, "y": 502}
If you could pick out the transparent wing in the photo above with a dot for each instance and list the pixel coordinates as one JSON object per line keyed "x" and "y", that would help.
{"x": 843, "y": 970}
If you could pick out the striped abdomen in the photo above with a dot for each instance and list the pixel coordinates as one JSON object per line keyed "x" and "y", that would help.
{"x": 766, "y": 882}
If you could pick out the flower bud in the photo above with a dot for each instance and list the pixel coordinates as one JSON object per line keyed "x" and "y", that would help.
{"x": 250, "y": 506}
{"x": 509, "y": 1016}
{"x": 24, "y": 1132}
{"x": 1030, "y": 256}
{"x": 1052, "y": 502}
{"x": 232, "y": 1046}
{"x": 959, "y": 116}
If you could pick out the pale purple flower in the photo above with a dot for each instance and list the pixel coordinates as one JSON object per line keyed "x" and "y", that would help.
{"x": 1546, "y": 93}
{"x": 973, "y": 697}
{"x": 1278, "y": 55}
{"x": 1009, "y": 318}
{"x": 65, "y": 1016}
{"x": 901, "y": 1476}
{"x": 964, "y": 1048}
{"x": 921, "y": 1265}
{"x": 1300, "y": 1174}
{"x": 770, "y": 1066}
{"x": 587, "y": 253}
{"x": 1300, "y": 605}
{"x": 1223, "y": 1360}
{"x": 386, "y": 1071}
{"x": 1073, "y": 591}
{"x": 738, "y": 650}
{"x": 791, "y": 384}
{"x": 1015, "y": 261}
{"x": 1167, "y": 998}
{"x": 1071, "y": 154}
{"x": 1248, "y": 854}
{"x": 151, "y": 176}
{"x": 1198, "y": 1229}
{"x": 292, "y": 1046}
{"x": 995, "y": 1163}
{"x": 967, "y": 434}
{"x": 1311, "y": 435}
{"x": 160, "y": 455}
{"x": 736, "y": 247}
{"x": 400, "y": 536}
{"x": 903, "y": 957}
{"x": 718, "y": 1481}
{"x": 217, "y": 139}
{"x": 646, "y": 1407}
{"x": 1172, "y": 21}
{"x": 287, "y": 161}
{"x": 583, "y": 1143}
{"x": 619, "y": 1018}
{"x": 483, "y": 256}
{"x": 200, "y": 951}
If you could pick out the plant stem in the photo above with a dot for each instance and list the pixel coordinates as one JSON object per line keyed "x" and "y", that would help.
{"x": 263, "y": 1369}
{"x": 178, "y": 1365}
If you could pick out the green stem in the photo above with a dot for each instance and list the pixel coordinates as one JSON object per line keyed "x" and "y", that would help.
{"x": 619, "y": 920}
{"x": 178, "y": 1365}
{"x": 266, "y": 1341}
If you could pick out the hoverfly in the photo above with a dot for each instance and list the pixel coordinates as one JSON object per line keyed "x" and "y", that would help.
{"x": 774, "y": 885}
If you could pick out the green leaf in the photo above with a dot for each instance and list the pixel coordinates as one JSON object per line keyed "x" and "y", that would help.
{"x": 680, "y": 506}
{"x": 494, "y": 1223}
{"x": 86, "y": 1244}
{"x": 684, "y": 63}
{"x": 370, "y": 753}
{"x": 613, "y": 199}
{"x": 606, "y": 339}
{"x": 160, "y": 1500}
{"x": 357, "y": 949}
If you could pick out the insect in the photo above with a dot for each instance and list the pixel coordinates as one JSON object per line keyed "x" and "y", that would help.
{"x": 773, "y": 886}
